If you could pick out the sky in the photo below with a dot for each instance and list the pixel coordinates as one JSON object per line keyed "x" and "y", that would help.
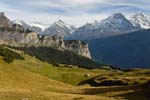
{"x": 75, "y": 12}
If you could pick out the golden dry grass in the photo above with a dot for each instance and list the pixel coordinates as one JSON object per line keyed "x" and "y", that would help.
{"x": 33, "y": 79}
{"x": 17, "y": 83}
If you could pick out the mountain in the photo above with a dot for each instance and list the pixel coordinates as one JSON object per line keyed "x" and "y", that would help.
{"x": 125, "y": 51}
{"x": 141, "y": 20}
{"x": 113, "y": 25}
{"x": 59, "y": 28}
{"x": 36, "y": 27}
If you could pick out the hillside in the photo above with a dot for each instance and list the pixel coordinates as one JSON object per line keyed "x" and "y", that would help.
{"x": 32, "y": 79}
{"x": 125, "y": 51}
{"x": 17, "y": 83}
{"x": 54, "y": 56}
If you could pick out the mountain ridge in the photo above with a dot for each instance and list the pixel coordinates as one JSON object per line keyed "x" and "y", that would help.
{"x": 115, "y": 24}
{"x": 129, "y": 50}
{"x": 140, "y": 20}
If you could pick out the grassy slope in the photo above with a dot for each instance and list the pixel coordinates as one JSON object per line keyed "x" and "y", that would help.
{"x": 32, "y": 79}
{"x": 17, "y": 83}
{"x": 67, "y": 75}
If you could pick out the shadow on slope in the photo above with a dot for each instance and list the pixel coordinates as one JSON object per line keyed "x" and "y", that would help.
{"x": 125, "y": 51}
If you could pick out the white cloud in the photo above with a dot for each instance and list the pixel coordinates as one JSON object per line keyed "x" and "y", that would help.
{"x": 76, "y": 12}
{"x": 49, "y": 19}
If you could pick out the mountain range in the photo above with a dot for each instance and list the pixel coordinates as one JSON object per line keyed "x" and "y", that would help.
{"x": 113, "y": 25}
{"x": 116, "y": 36}
{"x": 57, "y": 28}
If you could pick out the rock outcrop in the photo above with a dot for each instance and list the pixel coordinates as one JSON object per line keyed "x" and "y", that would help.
{"x": 79, "y": 47}
{"x": 75, "y": 46}
{"x": 33, "y": 39}
{"x": 53, "y": 41}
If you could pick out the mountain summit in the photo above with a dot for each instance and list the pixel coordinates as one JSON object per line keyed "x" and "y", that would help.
{"x": 117, "y": 22}
{"x": 140, "y": 20}
{"x": 113, "y": 25}
{"x": 59, "y": 28}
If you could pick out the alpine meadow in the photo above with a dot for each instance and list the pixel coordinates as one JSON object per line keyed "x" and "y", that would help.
{"x": 74, "y": 50}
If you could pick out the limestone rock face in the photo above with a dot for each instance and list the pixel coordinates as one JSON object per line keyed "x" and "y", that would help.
{"x": 57, "y": 42}
{"x": 78, "y": 47}
{"x": 33, "y": 39}
{"x": 30, "y": 38}
{"x": 53, "y": 41}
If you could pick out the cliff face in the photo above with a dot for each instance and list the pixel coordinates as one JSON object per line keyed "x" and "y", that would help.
{"x": 53, "y": 41}
{"x": 78, "y": 47}
{"x": 75, "y": 46}
{"x": 16, "y": 35}
{"x": 30, "y": 39}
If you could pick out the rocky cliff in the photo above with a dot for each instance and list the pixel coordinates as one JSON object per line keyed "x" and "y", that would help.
{"x": 75, "y": 46}
{"x": 32, "y": 38}
{"x": 79, "y": 47}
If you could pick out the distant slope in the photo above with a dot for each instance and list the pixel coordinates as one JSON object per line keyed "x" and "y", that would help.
{"x": 124, "y": 51}
{"x": 54, "y": 56}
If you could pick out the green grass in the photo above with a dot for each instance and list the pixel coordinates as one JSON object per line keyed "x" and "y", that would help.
{"x": 71, "y": 76}
{"x": 76, "y": 75}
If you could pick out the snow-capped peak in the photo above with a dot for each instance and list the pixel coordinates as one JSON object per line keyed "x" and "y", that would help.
{"x": 64, "y": 25}
{"x": 116, "y": 16}
{"x": 140, "y": 20}
{"x": 60, "y": 22}
{"x": 115, "y": 19}
{"x": 39, "y": 25}
{"x": 116, "y": 22}
{"x": 29, "y": 25}
{"x": 19, "y": 21}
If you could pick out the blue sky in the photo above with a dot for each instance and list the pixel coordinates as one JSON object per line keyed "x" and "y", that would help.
{"x": 76, "y": 12}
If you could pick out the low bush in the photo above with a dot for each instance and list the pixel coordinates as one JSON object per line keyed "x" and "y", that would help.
{"x": 9, "y": 55}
